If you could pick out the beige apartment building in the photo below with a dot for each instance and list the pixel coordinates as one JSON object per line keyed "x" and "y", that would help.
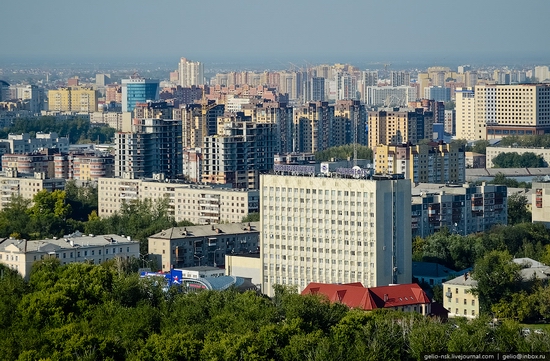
{"x": 73, "y": 99}
{"x": 496, "y": 111}
{"x": 458, "y": 298}
{"x": 422, "y": 163}
{"x": 196, "y": 203}
{"x": 398, "y": 126}
{"x": 541, "y": 203}
{"x": 20, "y": 255}
{"x": 334, "y": 230}
{"x": 11, "y": 184}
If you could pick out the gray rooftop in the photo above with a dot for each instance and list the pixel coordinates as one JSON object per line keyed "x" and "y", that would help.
{"x": 53, "y": 245}
{"x": 208, "y": 230}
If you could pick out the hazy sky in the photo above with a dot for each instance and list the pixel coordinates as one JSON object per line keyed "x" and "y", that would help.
{"x": 281, "y": 30}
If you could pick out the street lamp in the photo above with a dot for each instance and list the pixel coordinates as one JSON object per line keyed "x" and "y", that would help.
{"x": 199, "y": 258}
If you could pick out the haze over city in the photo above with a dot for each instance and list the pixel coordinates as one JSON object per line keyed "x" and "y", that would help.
{"x": 247, "y": 32}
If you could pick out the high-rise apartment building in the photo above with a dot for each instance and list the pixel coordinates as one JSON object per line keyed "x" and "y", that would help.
{"x": 313, "y": 124}
{"x": 389, "y": 96}
{"x": 190, "y": 73}
{"x": 542, "y": 73}
{"x": 196, "y": 119}
{"x": 437, "y": 93}
{"x": 496, "y": 111}
{"x": 465, "y": 114}
{"x": 334, "y": 230}
{"x": 73, "y": 99}
{"x": 541, "y": 203}
{"x": 354, "y": 116}
{"x": 138, "y": 90}
{"x": 422, "y": 163}
{"x": 399, "y": 78}
{"x": 399, "y": 125}
{"x": 149, "y": 146}
{"x": 239, "y": 154}
{"x": 317, "y": 89}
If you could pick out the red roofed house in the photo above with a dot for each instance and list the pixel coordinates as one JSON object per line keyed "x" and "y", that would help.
{"x": 406, "y": 297}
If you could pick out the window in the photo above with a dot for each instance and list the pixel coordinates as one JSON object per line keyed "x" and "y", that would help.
{"x": 473, "y": 303}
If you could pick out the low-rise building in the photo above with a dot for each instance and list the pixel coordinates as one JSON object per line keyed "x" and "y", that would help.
{"x": 433, "y": 273}
{"x": 459, "y": 300}
{"x": 404, "y": 297}
{"x": 198, "y": 204}
{"x": 246, "y": 266}
{"x": 475, "y": 160}
{"x": 20, "y": 255}
{"x": 202, "y": 272}
{"x": 181, "y": 247}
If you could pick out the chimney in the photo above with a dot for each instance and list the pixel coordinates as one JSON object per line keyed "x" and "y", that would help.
{"x": 465, "y": 276}
{"x": 385, "y": 297}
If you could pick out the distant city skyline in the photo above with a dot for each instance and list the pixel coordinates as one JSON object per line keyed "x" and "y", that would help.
{"x": 220, "y": 32}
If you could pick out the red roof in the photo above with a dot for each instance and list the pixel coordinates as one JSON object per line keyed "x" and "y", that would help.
{"x": 354, "y": 295}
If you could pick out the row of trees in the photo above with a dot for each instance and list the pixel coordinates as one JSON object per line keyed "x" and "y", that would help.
{"x": 541, "y": 140}
{"x": 344, "y": 152}
{"x": 97, "y": 312}
{"x": 515, "y": 160}
{"x": 77, "y": 130}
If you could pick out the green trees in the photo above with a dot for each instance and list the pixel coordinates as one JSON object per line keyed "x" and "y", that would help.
{"x": 497, "y": 278}
{"x": 343, "y": 152}
{"x": 517, "y": 209}
{"x": 78, "y": 130}
{"x": 515, "y": 160}
{"x": 93, "y": 312}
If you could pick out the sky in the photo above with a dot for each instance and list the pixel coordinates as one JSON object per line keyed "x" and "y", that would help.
{"x": 315, "y": 31}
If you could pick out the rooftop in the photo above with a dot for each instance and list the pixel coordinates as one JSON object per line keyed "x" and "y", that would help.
{"x": 208, "y": 230}
{"x": 75, "y": 240}
{"x": 354, "y": 295}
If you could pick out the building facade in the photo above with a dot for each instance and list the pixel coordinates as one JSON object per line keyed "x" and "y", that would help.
{"x": 138, "y": 90}
{"x": 190, "y": 73}
{"x": 20, "y": 255}
{"x": 317, "y": 229}
{"x": 195, "y": 203}
{"x": 434, "y": 162}
{"x": 398, "y": 126}
{"x": 461, "y": 209}
{"x": 73, "y": 99}
{"x": 149, "y": 146}
{"x": 11, "y": 184}
{"x": 238, "y": 155}
{"x": 183, "y": 247}
{"x": 541, "y": 203}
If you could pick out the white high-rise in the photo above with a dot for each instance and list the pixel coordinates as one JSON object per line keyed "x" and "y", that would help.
{"x": 334, "y": 230}
{"x": 190, "y": 73}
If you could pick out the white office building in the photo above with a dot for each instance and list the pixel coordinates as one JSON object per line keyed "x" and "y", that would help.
{"x": 334, "y": 230}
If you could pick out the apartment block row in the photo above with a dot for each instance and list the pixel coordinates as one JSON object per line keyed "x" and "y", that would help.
{"x": 196, "y": 203}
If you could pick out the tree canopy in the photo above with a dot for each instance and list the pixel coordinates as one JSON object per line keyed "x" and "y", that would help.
{"x": 94, "y": 312}
{"x": 343, "y": 152}
{"x": 77, "y": 130}
{"x": 515, "y": 160}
